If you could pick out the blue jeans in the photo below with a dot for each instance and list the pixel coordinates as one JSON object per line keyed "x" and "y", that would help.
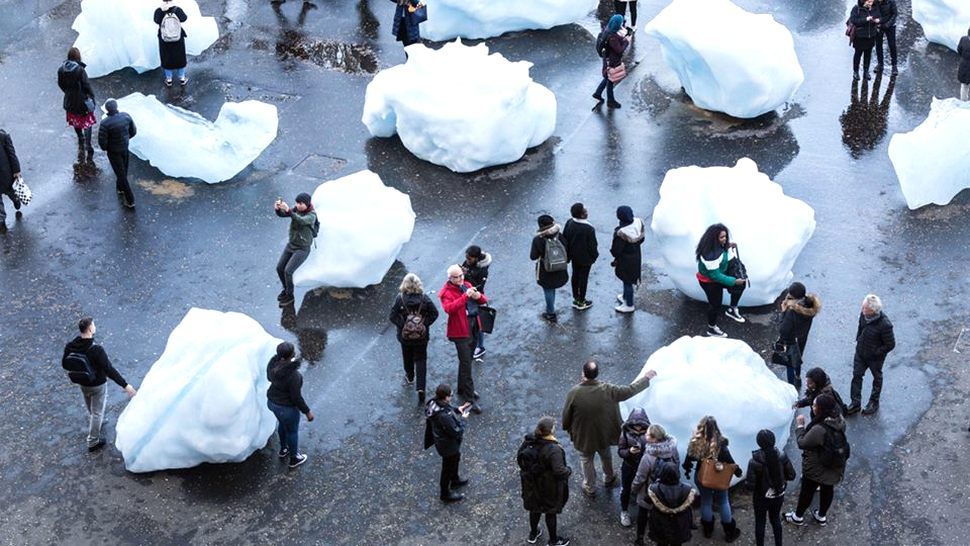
{"x": 708, "y": 498}
{"x": 608, "y": 85}
{"x": 289, "y": 427}
{"x": 481, "y": 339}
{"x": 550, "y": 294}
{"x": 179, "y": 73}
{"x": 628, "y": 293}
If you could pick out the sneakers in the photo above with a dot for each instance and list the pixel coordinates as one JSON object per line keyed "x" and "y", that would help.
{"x": 479, "y": 352}
{"x": 407, "y": 381}
{"x": 582, "y": 305}
{"x": 790, "y": 517}
{"x": 451, "y": 496}
{"x": 624, "y": 308}
{"x": 821, "y": 520}
{"x": 619, "y": 298}
{"x": 184, "y": 81}
{"x": 168, "y": 83}
{"x": 284, "y": 452}
{"x": 550, "y": 317}
{"x": 298, "y": 460}
{"x": 625, "y": 519}
{"x": 714, "y": 331}
{"x": 733, "y": 314}
{"x": 560, "y": 541}
{"x": 534, "y": 535}
{"x": 852, "y": 409}
{"x": 420, "y": 398}
{"x": 870, "y": 408}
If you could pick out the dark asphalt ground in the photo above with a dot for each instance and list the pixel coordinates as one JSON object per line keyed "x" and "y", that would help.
{"x": 77, "y": 251}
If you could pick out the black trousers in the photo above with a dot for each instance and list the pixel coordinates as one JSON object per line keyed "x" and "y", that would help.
{"x": 550, "y": 525}
{"x": 643, "y": 518}
{"x": 627, "y": 473}
{"x": 620, "y": 7}
{"x": 715, "y": 294}
{"x": 119, "y": 164}
{"x": 807, "y": 493}
{"x": 770, "y": 510}
{"x": 416, "y": 363}
{"x": 449, "y": 472}
{"x": 864, "y": 53}
{"x": 465, "y": 347}
{"x": 890, "y": 34}
{"x": 580, "y": 280}
{"x": 859, "y": 368}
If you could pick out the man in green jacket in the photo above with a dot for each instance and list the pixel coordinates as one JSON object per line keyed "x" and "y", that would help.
{"x": 303, "y": 228}
{"x": 591, "y": 416}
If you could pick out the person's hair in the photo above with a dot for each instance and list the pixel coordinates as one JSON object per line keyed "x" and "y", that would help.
{"x": 615, "y": 23}
{"x": 84, "y": 324}
{"x": 657, "y": 432}
{"x": 709, "y": 240}
{"x": 285, "y": 350}
{"x": 442, "y": 391}
{"x": 796, "y": 290}
{"x": 873, "y": 302}
{"x": 590, "y": 369}
{"x": 454, "y": 269}
{"x": 576, "y": 211}
{"x": 818, "y": 377}
{"x": 773, "y": 470}
{"x": 705, "y": 443}
{"x": 411, "y": 284}
{"x": 74, "y": 54}
{"x": 545, "y": 425}
{"x": 474, "y": 251}
{"x": 826, "y": 406}
{"x": 545, "y": 221}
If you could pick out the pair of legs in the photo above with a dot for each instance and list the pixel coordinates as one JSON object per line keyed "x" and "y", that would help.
{"x": 589, "y": 470}
{"x": 416, "y": 364}
{"x": 767, "y": 511}
{"x": 890, "y": 36}
{"x": 807, "y": 493}
{"x": 84, "y": 139}
{"x": 288, "y": 428}
{"x": 863, "y": 51}
{"x": 95, "y": 399}
{"x": 550, "y": 294}
{"x": 643, "y": 519}
{"x": 13, "y": 198}
{"x": 292, "y": 258}
{"x": 449, "y": 473}
{"x": 119, "y": 164}
{"x": 965, "y": 91}
{"x": 628, "y": 293}
{"x": 550, "y": 525}
{"x": 709, "y": 498}
{"x": 859, "y": 368}
{"x": 794, "y": 368}
{"x": 715, "y": 295}
{"x": 465, "y": 347}
{"x": 627, "y": 473}
{"x": 579, "y": 281}
{"x": 620, "y": 8}
{"x": 608, "y": 85}
{"x": 177, "y": 72}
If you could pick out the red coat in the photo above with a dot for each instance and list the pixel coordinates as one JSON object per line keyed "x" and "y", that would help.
{"x": 453, "y": 301}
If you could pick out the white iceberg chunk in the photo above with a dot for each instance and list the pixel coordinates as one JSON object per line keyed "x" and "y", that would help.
{"x": 932, "y": 161}
{"x": 363, "y": 225}
{"x": 769, "y": 227}
{"x": 181, "y": 143}
{"x": 204, "y": 400}
{"x": 448, "y": 19}
{"x": 727, "y": 59}
{"x": 460, "y": 107}
{"x": 944, "y": 21}
{"x": 724, "y": 378}
{"x": 114, "y": 34}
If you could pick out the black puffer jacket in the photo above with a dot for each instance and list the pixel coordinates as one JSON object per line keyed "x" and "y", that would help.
{"x": 627, "y": 258}
{"x": 864, "y": 28}
{"x": 874, "y": 340}
{"x": 796, "y": 320}
{"x": 888, "y": 11}
{"x": 115, "y": 131}
{"x": 547, "y": 492}
{"x": 757, "y": 475}
{"x": 477, "y": 274}
{"x": 286, "y": 384}
{"x": 73, "y": 81}
{"x": 409, "y": 303}
{"x": 547, "y": 279}
{"x": 671, "y": 516}
{"x": 444, "y": 428}
{"x": 964, "y": 50}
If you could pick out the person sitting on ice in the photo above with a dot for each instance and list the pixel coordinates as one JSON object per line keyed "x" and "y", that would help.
{"x": 303, "y": 229}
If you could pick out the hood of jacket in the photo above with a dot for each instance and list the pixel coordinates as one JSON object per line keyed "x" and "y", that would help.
{"x": 809, "y": 306}
{"x": 412, "y": 300}
{"x": 661, "y": 450}
{"x": 637, "y": 417}
{"x": 486, "y": 261}
{"x": 550, "y": 231}
{"x": 631, "y": 233}
{"x": 836, "y": 423}
{"x": 72, "y": 66}
{"x": 433, "y": 408}
{"x": 281, "y": 369}
{"x": 79, "y": 345}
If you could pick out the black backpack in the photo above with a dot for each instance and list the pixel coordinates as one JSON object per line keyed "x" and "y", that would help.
{"x": 529, "y": 460}
{"x": 657, "y": 465}
{"x": 79, "y": 368}
{"x": 601, "y": 43}
{"x": 414, "y": 328}
{"x": 835, "y": 449}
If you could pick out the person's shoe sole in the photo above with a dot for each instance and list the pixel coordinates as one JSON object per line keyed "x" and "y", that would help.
{"x": 479, "y": 353}
{"x": 735, "y": 318}
{"x": 715, "y": 334}
{"x": 534, "y": 539}
{"x": 299, "y": 461}
{"x": 822, "y": 522}
{"x": 284, "y": 454}
{"x": 793, "y": 521}
{"x": 287, "y": 301}
{"x": 624, "y": 309}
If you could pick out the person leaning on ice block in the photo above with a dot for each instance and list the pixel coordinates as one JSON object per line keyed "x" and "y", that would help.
{"x": 714, "y": 252}
{"x": 303, "y": 229}
{"x": 171, "y": 41}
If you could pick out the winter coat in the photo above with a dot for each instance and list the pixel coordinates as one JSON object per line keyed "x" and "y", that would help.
{"x": 874, "y": 340}
{"x": 73, "y": 81}
{"x": 408, "y": 303}
{"x": 171, "y": 53}
{"x": 548, "y": 491}
{"x": 443, "y": 428}
{"x": 864, "y": 28}
{"x": 810, "y": 440}
{"x": 9, "y": 164}
{"x": 713, "y": 268}
{"x": 115, "y": 131}
{"x": 411, "y": 32}
{"x": 580, "y": 239}
{"x": 723, "y": 456}
{"x": 964, "y": 50}
{"x": 811, "y": 395}
{"x": 455, "y": 303}
{"x": 627, "y": 260}
{"x": 615, "y": 46}
{"x": 477, "y": 274}
{"x": 629, "y": 438}
{"x": 591, "y": 414}
{"x": 286, "y": 384}
{"x": 671, "y": 518}
{"x": 757, "y": 475}
{"x": 301, "y": 227}
{"x": 98, "y": 359}
{"x": 653, "y": 454}
{"x": 547, "y": 279}
{"x": 796, "y": 320}
{"x": 888, "y": 12}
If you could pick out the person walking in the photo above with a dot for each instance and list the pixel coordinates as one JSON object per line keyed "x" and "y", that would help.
{"x": 769, "y": 472}
{"x": 887, "y": 30}
{"x": 460, "y": 300}
{"x": 171, "y": 41}
{"x": 627, "y": 260}
{"x": 707, "y": 442}
{"x": 714, "y": 253}
{"x": 445, "y": 429}
{"x": 963, "y": 74}
{"x": 591, "y": 416}
{"x": 798, "y": 310}
{"x": 581, "y": 251}
{"x": 406, "y": 25}
{"x": 545, "y": 480}
{"x": 113, "y": 136}
{"x": 817, "y": 382}
{"x": 413, "y": 314}
{"x": 285, "y": 399}
{"x": 672, "y": 517}
{"x": 825, "y": 451}
{"x": 660, "y": 449}
{"x": 303, "y": 229}
{"x": 620, "y": 6}
{"x": 79, "y": 100}
{"x": 874, "y": 340}
{"x": 633, "y": 437}
{"x": 549, "y": 253}
{"x": 475, "y": 268}
{"x": 9, "y": 172}
{"x": 88, "y": 367}
{"x": 866, "y": 19}
{"x": 610, "y": 47}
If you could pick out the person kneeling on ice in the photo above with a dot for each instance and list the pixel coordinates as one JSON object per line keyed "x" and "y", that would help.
{"x": 304, "y": 227}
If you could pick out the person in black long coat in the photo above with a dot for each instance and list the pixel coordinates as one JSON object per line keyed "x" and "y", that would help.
{"x": 866, "y": 18}
{"x": 444, "y": 429}
{"x": 582, "y": 252}
{"x": 964, "y": 72}
{"x": 627, "y": 260}
{"x": 548, "y": 280}
{"x": 887, "y": 26}
{"x": 413, "y": 301}
{"x": 798, "y": 311}
{"x": 72, "y": 79}
{"x": 406, "y": 26}
{"x": 545, "y": 479}
{"x": 172, "y": 53}
{"x": 9, "y": 171}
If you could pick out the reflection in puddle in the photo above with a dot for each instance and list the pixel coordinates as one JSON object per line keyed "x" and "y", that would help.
{"x": 350, "y": 58}
{"x": 865, "y": 120}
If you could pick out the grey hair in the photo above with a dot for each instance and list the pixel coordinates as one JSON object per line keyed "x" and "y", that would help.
{"x": 873, "y": 302}
{"x": 657, "y": 432}
{"x": 411, "y": 284}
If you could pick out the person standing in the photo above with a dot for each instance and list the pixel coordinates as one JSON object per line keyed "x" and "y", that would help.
{"x": 88, "y": 367}
{"x": 887, "y": 29}
{"x": 865, "y": 18}
{"x": 460, "y": 300}
{"x": 285, "y": 399}
{"x": 549, "y": 252}
{"x": 113, "y": 136}
{"x": 475, "y": 268}
{"x": 581, "y": 250}
{"x": 171, "y": 41}
{"x": 633, "y": 439}
{"x": 714, "y": 252}
{"x": 708, "y": 443}
{"x": 627, "y": 261}
{"x": 660, "y": 449}
{"x": 303, "y": 229}
{"x": 9, "y": 172}
{"x": 445, "y": 429}
{"x": 825, "y": 451}
{"x": 672, "y": 517}
{"x": 78, "y": 99}
{"x": 613, "y": 46}
{"x": 591, "y": 416}
{"x": 963, "y": 74}
{"x": 798, "y": 310}
{"x": 874, "y": 340}
{"x": 545, "y": 480}
{"x": 769, "y": 472}
{"x": 619, "y": 7}
{"x": 406, "y": 25}
{"x": 413, "y": 314}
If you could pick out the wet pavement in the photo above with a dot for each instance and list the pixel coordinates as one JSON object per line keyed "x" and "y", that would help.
{"x": 77, "y": 251}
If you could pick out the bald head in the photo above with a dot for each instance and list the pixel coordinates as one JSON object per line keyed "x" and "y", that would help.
{"x": 590, "y": 370}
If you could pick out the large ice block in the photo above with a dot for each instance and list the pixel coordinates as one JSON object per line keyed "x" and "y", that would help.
{"x": 448, "y": 19}
{"x": 944, "y": 21}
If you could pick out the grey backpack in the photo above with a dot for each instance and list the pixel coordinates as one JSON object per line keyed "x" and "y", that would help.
{"x": 554, "y": 257}
{"x": 171, "y": 27}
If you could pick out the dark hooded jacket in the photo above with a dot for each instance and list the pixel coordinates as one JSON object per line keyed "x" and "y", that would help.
{"x": 98, "y": 359}
{"x": 286, "y": 384}
{"x": 73, "y": 81}
{"x": 172, "y": 54}
{"x": 671, "y": 517}
{"x": 411, "y": 32}
{"x": 410, "y": 303}
{"x": 546, "y": 491}
{"x": 477, "y": 274}
{"x": 115, "y": 131}
{"x": 581, "y": 245}
{"x": 810, "y": 440}
{"x": 757, "y": 475}
{"x": 874, "y": 340}
{"x": 627, "y": 260}
{"x": 629, "y": 438}
{"x": 963, "y": 48}
{"x": 888, "y": 12}
{"x": 444, "y": 428}
{"x": 822, "y": 384}
{"x": 796, "y": 320}
{"x": 863, "y": 28}
{"x": 547, "y": 279}
{"x": 654, "y": 454}
{"x": 9, "y": 164}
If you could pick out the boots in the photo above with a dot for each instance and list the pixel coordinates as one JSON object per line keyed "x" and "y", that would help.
{"x": 731, "y": 531}
{"x": 708, "y": 527}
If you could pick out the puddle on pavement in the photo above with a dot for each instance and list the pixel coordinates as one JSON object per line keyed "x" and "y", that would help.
{"x": 329, "y": 54}
{"x": 171, "y": 189}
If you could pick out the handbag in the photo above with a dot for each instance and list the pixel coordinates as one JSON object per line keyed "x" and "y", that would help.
{"x": 736, "y": 268}
{"x": 486, "y": 315}
{"x": 779, "y": 354}
{"x": 420, "y": 13}
{"x": 20, "y": 189}
{"x": 616, "y": 73}
{"x": 715, "y": 475}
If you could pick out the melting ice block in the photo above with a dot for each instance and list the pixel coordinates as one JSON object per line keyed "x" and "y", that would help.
{"x": 448, "y": 19}
{"x": 181, "y": 143}
{"x": 727, "y": 59}
{"x": 944, "y": 21}
{"x": 769, "y": 227}
{"x": 114, "y": 34}
{"x": 460, "y": 107}
{"x": 204, "y": 400}
{"x": 724, "y": 378}
{"x": 932, "y": 161}
{"x": 363, "y": 225}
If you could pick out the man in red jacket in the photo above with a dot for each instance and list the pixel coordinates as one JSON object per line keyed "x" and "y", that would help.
{"x": 461, "y": 300}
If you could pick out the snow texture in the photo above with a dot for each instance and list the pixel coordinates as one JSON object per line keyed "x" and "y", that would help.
{"x": 728, "y": 60}
{"x": 932, "y": 161}
{"x": 944, "y": 21}
{"x": 448, "y": 19}
{"x": 769, "y": 227}
{"x": 204, "y": 400}
{"x": 460, "y": 107}
{"x": 724, "y": 378}
{"x": 114, "y": 34}
{"x": 181, "y": 143}
{"x": 363, "y": 225}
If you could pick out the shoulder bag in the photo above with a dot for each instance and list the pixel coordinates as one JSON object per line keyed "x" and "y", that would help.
{"x": 715, "y": 475}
